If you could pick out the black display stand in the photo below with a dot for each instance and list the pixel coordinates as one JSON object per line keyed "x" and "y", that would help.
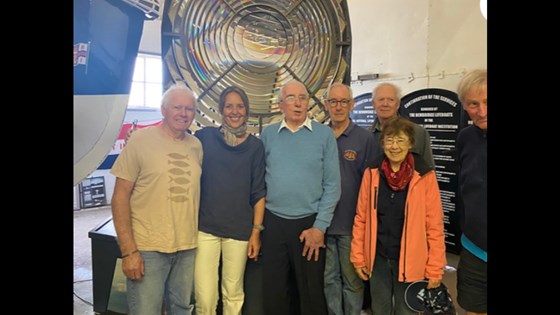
{"x": 92, "y": 192}
{"x": 104, "y": 253}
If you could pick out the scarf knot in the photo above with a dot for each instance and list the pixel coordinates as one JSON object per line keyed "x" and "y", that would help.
{"x": 399, "y": 179}
{"x": 231, "y": 134}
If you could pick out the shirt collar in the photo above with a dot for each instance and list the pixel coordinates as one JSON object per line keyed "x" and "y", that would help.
{"x": 348, "y": 129}
{"x": 306, "y": 124}
{"x": 376, "y": 126}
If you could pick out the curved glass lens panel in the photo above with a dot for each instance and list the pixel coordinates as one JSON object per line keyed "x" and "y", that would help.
{"x": 258, "y": 46}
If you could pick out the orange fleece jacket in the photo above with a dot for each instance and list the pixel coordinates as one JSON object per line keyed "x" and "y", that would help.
{"x": 422, "y": 254}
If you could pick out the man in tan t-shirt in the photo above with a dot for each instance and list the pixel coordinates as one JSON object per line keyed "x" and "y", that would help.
{"x": 155, "y": 208}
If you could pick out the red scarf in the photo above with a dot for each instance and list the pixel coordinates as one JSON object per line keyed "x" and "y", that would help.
{"x": 399, "y": 179}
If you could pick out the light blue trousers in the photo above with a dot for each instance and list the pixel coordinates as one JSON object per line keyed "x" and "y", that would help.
{"x": 166, "y": 276}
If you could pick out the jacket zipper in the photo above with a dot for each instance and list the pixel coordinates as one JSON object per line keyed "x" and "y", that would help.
{"x": 371, "y": 220}
{"x": 405, "y": 232}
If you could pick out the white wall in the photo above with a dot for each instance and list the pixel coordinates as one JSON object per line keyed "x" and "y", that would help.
{"x": 412, "y": 42}
{"x": 150, "y": 43}
{"x": 76, "y": 198}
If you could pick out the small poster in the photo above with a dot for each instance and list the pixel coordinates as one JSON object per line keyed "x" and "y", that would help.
{"x": 92, "y": 192}
{"x": 363, "y": 113}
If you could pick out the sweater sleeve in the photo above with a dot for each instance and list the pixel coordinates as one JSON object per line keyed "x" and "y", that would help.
{"x": 331, "y": 184}
{"x": 258, "y": 188}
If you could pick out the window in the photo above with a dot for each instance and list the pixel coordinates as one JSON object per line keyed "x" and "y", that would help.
{"x": 146, "y": 89}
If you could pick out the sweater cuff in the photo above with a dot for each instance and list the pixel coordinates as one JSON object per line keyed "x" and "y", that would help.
{"x": 321, "y": 226}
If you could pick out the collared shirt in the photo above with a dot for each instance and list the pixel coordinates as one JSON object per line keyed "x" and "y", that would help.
{"x": 303, "y": 165}
{"x": 356, "y": 146}
{"x": 376, "y": 126}
{"x": 306, "y": 124}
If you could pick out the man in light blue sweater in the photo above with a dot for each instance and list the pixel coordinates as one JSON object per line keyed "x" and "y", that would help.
{"x": 303, "y": 187}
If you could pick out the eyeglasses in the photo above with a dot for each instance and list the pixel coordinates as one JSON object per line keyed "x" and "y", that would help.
{"x": 291, "y": 99}
{"x": 401, "y": 142}
{"x": 344, "y": 102}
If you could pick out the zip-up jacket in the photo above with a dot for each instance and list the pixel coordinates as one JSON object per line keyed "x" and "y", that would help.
{"x": 422, "y": 252}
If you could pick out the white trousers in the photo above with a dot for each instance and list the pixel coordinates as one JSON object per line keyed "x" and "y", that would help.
{"x": 234, "y": 258}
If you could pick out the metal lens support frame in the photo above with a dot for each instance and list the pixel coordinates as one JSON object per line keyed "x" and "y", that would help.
{"x": 150, "y": 8}
{"x": 258, "y": 46}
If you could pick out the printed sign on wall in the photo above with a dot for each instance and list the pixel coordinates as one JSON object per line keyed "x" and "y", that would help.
{"x": 363, "y": 113}
{"x": 440, "y": 112}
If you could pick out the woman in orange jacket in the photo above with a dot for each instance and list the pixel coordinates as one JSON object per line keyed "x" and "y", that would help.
{"x": 398, "y": 228}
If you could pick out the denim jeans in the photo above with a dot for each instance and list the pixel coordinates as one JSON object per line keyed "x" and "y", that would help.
{"x": 386, "y": 288}
{"x": 169, "y": 276}
{"x": 344, "y": 290}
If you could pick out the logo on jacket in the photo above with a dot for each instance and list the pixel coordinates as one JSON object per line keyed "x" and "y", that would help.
{"x": 350, "y": 155}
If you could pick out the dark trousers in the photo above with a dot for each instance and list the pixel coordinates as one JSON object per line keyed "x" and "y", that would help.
{"x": 253, "y": 287}
{"x": 292, "y": 285}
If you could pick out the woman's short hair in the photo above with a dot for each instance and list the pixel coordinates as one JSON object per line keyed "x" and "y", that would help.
{"x": 395, "y": 125}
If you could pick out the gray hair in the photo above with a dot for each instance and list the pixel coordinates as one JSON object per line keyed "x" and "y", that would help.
{"x": 396, "y": 88}
{"x": 177, "y": 87}
{"x": 337, "y": 84}
{"x": 474, "y": 79}
{"x": 281, "y": 92}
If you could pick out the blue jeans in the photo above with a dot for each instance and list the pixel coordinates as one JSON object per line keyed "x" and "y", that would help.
{"x": 169, "y": 276}
{"x": 344, "y": 290}
{"x": 386, "y": 288}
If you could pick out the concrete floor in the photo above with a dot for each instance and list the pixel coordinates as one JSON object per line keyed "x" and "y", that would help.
{"x": 450, "y": 280}
{"x": 84, "y": 221}
{"x": 87, "y": 219}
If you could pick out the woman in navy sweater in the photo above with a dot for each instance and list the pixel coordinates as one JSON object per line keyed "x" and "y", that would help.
{"x": 231, "y": 205}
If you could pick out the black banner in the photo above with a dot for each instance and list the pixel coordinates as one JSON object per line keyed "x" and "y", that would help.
{"x": 440, "y": 112}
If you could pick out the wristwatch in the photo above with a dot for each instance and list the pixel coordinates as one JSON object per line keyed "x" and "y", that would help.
{"x": 259, "y": 227}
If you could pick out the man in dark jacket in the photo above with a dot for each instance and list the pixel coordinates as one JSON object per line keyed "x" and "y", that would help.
{"x": 471, "y": 149}
{"x": 386, "y": 99}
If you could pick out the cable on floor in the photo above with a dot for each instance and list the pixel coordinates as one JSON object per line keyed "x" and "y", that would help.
{"x": 79, "y": 281}
{"x": 78, "y": 296}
